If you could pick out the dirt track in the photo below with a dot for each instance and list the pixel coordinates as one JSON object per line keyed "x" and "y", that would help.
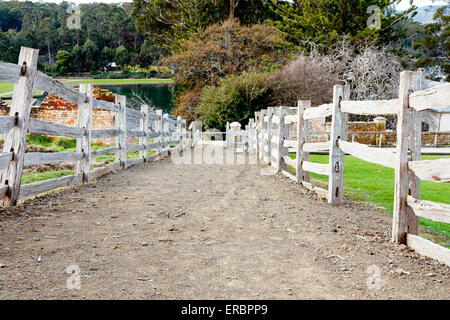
{"x": 161, "y": 231}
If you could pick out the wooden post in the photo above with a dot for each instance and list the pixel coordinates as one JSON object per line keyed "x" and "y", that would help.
{"x": 183, "y": 133}
{"x": 270, "y": 112}
{"x": 121, "y": 124}
{"x": 166, "y": 133}
{"x": 179, "y": 128}
{"x": 16, "y": 138}
{"x": 302, "y": 175}
{"x": 280, "y": 143}
{"x": 143, "y": 126}
{"x": 409, "y": 135}
{"x": 257, "y": 134}
{"x": 83, "y": 166}
{"x": 263, "y": 136}
{"x": 337, "y": 157}
{"x": 159, "y": 129}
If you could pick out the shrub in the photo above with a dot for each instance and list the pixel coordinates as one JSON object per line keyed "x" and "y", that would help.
{"x": 236, "y": 98}
{"x": 303, "y": 78}
{"x": 225, "y": 49}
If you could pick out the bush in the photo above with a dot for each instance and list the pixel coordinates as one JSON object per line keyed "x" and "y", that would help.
{"x": 236, "y": 98}
{"x": 225, "y": 49}
{"x": 304, "y": 78}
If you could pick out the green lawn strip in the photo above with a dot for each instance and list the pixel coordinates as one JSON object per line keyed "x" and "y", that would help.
{"x": 35, "y": 176}
{"x": 373, "y": 183}
{"x": 9, "y": 87}
{"x": 54, "y": 144}
{"x": 117, "y": 81}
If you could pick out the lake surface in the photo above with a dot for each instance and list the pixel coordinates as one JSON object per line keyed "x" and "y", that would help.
{"x": 161, "y": 95}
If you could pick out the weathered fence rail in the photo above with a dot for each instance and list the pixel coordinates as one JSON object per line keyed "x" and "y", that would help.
{"x": 153, "y": 125}
{"x": 273, "y": 143}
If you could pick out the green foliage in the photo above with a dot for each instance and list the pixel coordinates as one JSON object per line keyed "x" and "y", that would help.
{"x": 36, "y": 176}
{"x": 122, "y": 56}
{"x": 224, "y": 49}
{"x": 325, "y": 21}
{"x": 171, "y": 22}
{"x": 435, "y": 45}
{"x": 64, "y": 62}
{"x": 236, "y": 98}
{"x": 43, "y": 26}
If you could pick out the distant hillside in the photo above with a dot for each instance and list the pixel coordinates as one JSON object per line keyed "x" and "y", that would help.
{"x": 425, "y": 14}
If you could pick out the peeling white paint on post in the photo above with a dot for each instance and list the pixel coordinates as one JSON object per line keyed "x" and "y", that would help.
{"x": 337, "y": 157}
{"x": 404, "y": 220}
{"x": 159, "y": 129}
{"x": 15, "y": 140}
{"x": 83, "y": 166}
{"x": 121, "y": 123}
{"x": 143, "y": 126}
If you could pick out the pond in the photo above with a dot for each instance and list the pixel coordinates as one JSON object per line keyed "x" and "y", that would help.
{"x": 161, "y": 95}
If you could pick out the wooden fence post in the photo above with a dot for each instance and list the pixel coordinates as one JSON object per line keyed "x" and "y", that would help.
{"x": 183, "y": 134}
{"x": 415, "y": 149}
{"x": 158, "y": 129}
{"x": 280, "y": 143}
{"x": 143, "y": 126}
{"x": 337, "y": 157}
{"x": 262, "y": 150}
{"x": 302, "y": 175}
{"x": 270, "y": 112}
{"x": 257, "y": 134}
{"x": 179, "y": 128}
{"x": 83, "y": 166}
{"x": 409, "y": 129}
{"x": 16, "y": 138}
{"x": 166, "y": 130}
{"x": 121, "y": 124}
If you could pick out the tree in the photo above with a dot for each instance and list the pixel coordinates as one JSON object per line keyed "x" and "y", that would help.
{"x": 225, "y": 49}
{"x": 78, "y": 60}
{"x": 107, "y": 55}
{"x": 326, "y": 21}
{"x": 122, "y": 56}
{"x": 90, "y": 52}
{"x": 63, "y": 63}
{"x": 435, "y": 45}
{"x": 169, "y": 22}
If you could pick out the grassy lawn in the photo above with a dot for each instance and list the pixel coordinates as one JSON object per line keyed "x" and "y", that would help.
{"x": 374, "y": 183}
{"x": 7, "y": 87}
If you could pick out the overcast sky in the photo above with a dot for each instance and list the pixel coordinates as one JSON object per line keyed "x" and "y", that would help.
{"x": 403, "y": 5}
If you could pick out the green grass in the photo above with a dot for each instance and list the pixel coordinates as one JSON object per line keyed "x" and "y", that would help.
{"x": 109, "y": 158}
{"x": 6, "y": 87}
{"x": 117, "y": 81}
{"x": 374, "y": 183}
{"x": 57, "y": 144}
{"x": 35, "y": 176}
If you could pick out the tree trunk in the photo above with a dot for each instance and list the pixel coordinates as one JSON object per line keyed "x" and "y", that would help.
{"x": 231, "y": 16}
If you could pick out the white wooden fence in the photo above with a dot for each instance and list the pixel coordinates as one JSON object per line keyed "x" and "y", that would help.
{"x": 270, "y": 139}
{"x": 153, "y": 132}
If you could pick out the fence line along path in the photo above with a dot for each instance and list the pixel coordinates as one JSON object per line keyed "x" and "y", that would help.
{"x": 274, "y": 144}
{"x": 153, "y": 134}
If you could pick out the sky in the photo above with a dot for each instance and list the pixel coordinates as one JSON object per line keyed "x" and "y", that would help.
{"x": 402, "y": 6}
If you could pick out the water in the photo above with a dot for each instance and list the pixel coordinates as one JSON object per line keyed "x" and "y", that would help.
{"x": 161, "y": 95}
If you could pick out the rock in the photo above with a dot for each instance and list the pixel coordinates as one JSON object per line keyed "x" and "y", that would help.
{"x": 144, "y": 244}
{"x": 401, "y": 272}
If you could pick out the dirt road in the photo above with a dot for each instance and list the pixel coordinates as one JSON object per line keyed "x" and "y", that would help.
{"x": 162, "y": 231}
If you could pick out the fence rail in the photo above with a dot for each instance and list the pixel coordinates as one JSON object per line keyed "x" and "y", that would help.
{"x": 273, "y": 143}
{"x": 18, "y": 124}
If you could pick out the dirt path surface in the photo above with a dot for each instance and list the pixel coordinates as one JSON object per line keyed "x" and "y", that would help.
{"x": 162, "y": 231}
